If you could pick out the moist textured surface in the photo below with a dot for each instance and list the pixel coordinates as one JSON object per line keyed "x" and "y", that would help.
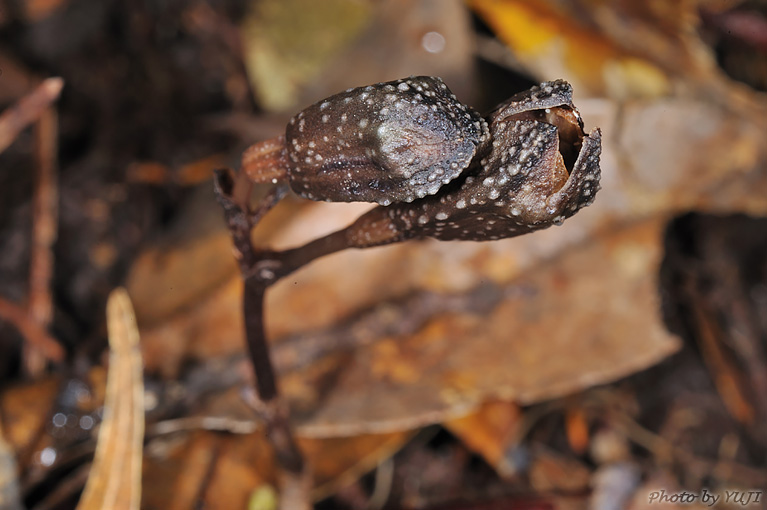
{"x": 390, "y": 142}
{"x": 537, "y": 169}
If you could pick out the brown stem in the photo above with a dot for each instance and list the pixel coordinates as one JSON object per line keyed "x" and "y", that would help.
{"x": 44, "y": 233}
{"x": 236, "y": 218}
{"x": 239, "y": 222}
{"x": 285, "y": 262}
{"x": 267, "y": 203}
{"x": 266, "y": 161}
{"x": 258, "y": 349}
{"x": 375, "y": 228}
{"x": 260, "y": 269}
{"x": 231, "y": 193}
{"x": 31, "y": 331}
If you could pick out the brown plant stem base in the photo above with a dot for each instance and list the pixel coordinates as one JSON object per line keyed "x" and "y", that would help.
{"x": 233, "y": 193}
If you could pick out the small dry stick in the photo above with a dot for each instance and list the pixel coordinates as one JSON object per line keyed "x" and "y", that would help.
{"x": 30, "y": 330}
{"x": 33, "y": 323}
{"x": 44, "y": 232}
{"x": 26, "y": 111}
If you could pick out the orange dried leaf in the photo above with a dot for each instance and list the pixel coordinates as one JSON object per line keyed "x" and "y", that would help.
{"x": 524, "y": 350}
{"x": 550, "y": 42}
{"x": 222, "y": 471}
{"x": 489, "y": 431}
{"x": 577, "y": 429}
{"x": 10, "y": 491}
{"x": 25, "y": 409}
{"x": 190, "y": 174}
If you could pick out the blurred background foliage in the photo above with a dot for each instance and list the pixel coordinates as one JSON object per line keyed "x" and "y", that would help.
{"x": 582, "y": 367}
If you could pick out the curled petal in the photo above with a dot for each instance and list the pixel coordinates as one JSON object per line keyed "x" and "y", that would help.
{"x": 548, "y": 94}
{"x": 582, "y": 186}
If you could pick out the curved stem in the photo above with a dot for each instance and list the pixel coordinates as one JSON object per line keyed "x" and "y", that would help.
{"x": 374, "y": 228}
{"x": 231, "y": 191}
{"x": 260, "y": 269}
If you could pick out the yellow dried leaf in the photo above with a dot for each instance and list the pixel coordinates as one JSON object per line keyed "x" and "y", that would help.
{"x": 114, "y": 482}
{"x": 551, "y": 44}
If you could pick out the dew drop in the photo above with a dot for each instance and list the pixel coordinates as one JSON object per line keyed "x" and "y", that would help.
{"x": 433, "y": 42}
{"x": 48, "y": 456}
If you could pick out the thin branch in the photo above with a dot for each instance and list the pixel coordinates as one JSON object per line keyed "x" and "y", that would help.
{"x": 374, "y": 228}
{"x": 30, "y": 330}
{"x": 238, "y": 220}
{"x": 44, "y": 233}
{"x": 27, "y": 110}
{"x": 267, "y": 203}
{"x": 34, "y": 321}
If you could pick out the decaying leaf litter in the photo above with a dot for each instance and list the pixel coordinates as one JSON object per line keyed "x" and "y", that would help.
{"x": 423, "y": 332}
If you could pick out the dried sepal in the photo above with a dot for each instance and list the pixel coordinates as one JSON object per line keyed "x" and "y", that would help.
{"x": 390, "y": 142}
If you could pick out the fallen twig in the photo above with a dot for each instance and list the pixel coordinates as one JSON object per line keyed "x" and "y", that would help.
{"x": 30, "y": 330}
{"x": 44, "y": 233}
{"x": 32, "y": 323}
{"x": 27, "y": 110}
{"x": 667, "y": 450}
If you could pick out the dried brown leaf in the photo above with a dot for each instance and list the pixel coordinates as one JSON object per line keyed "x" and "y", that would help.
{"x": 595, "y": 316}
{"x": 182, "y": 469}
{"x": 524, "y": 350}
{"x": 222, "y": 471}
{"x": 25, "y": 409}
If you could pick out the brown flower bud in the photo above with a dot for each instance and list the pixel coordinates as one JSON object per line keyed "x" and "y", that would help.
{"x": 386, "y": 143}
{"x": 538, "y": 169}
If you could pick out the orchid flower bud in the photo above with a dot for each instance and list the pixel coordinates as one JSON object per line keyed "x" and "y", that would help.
{"x": 438, "y": 169}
